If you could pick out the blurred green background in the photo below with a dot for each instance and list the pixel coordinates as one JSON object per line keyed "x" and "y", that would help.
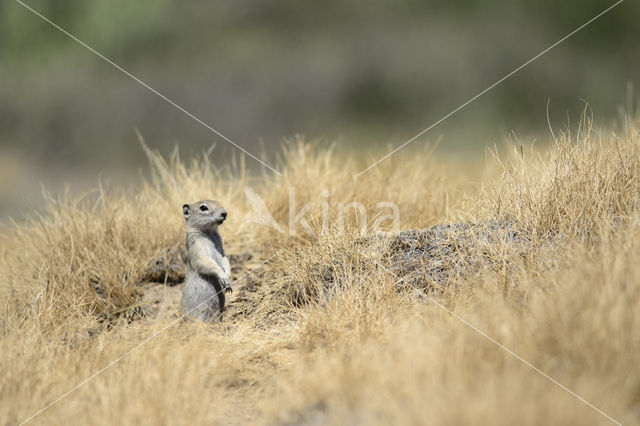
{"x": 365, "y": 73}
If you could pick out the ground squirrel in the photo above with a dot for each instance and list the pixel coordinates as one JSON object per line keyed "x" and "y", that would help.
{"x": 208, "y": 272}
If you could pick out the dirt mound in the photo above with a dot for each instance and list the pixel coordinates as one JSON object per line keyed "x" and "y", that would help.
{"x": 430, "y": 258}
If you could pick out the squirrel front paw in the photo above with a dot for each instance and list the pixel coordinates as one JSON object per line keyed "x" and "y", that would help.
{"x": 225, "y": 282}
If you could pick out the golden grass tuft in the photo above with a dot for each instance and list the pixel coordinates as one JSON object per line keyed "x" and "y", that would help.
{"x": 325, "y": 334}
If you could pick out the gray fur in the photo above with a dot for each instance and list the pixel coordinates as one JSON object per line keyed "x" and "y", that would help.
{"x": 208, "y": 273}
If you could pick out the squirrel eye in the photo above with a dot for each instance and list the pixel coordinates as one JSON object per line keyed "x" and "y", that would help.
{"x": 204, "y": 208}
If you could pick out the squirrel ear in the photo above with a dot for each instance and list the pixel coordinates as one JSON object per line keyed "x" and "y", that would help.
{"x": 186, "y": 209}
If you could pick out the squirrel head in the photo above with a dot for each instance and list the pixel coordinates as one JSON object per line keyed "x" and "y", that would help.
{"x": 205, "y": 215}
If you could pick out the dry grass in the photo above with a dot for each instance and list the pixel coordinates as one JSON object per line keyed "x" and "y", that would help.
{"x": 368, "y": 354}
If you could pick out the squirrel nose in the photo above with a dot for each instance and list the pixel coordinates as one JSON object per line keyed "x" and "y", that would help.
{"x": 224, "y": 214}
